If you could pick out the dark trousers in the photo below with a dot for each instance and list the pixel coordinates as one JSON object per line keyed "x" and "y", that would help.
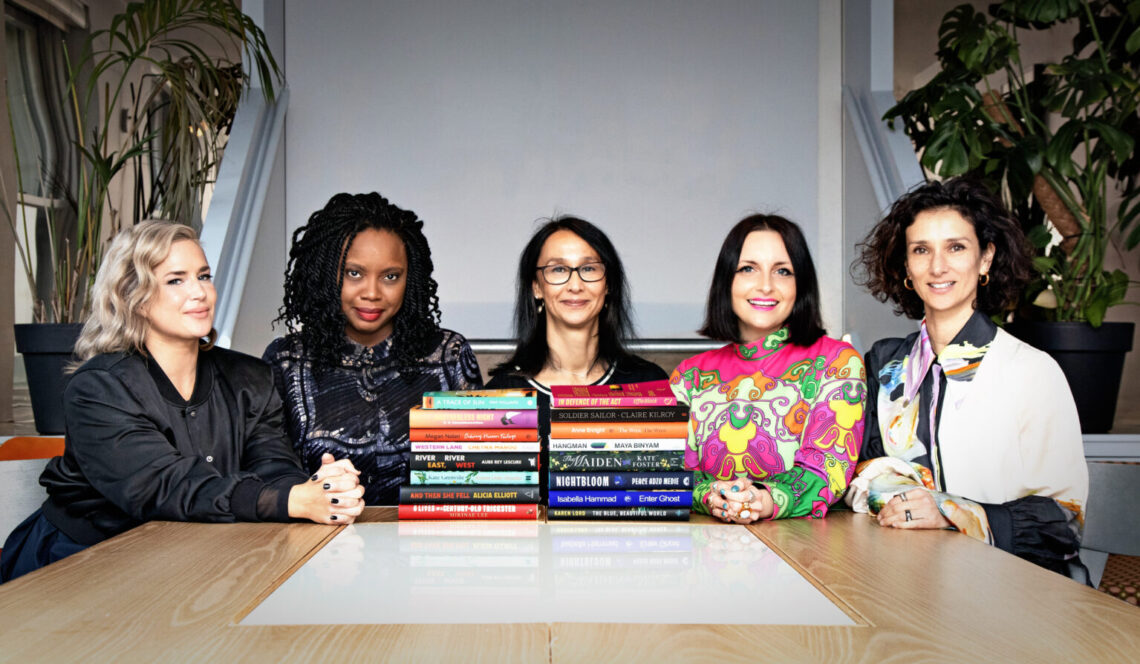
{"x": 33, "y": 544}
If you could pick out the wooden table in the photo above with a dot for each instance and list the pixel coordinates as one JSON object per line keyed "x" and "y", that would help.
{"x": 175, "y": 592}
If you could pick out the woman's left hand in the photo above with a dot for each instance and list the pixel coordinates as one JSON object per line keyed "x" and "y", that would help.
{"x": 914, "y": 509}
{"x": 739, "y": 501}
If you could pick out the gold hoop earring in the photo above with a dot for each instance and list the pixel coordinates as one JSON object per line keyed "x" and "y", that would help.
{"x": 984, "y": 279}
{"x": 908, "y": 284}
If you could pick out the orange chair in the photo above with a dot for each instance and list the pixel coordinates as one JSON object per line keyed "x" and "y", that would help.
{"x": 22, "y": 459}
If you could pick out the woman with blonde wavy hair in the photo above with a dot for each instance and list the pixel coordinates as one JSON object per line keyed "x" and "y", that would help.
{"x": 162, "y": 425}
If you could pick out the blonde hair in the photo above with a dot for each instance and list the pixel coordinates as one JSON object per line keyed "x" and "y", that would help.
{"x": 124, "y": 285}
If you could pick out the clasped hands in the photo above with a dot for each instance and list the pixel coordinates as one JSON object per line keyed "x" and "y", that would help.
{"x": 332, "y": 495}
{"x": 738, "y": 501}
{"x": 914, "y": 509}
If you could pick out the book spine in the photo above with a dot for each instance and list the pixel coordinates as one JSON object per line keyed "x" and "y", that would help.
{"x": 618, "y": 445}
{"x": 619, "y": 430}
{"x": 621, "y": 513}
{"x": 479, "y": 403}
{"x": 472, "y": 419}
{"x": 651, "y": 388}
{"x": 469, "y": 494}
{"x": 473, "y": 461}
{"x": 678, "y": 413}
{"x": 616, "y": 461}
{"x": 621, "y": 498}
{"x": 643, "y": 480}
{"x": 461, "y": 511}
{"x": 532, "y": 448}
{"x": 473, "y": 435}
{"x": 483, "y": 477}
{"x": 612, "y": 402}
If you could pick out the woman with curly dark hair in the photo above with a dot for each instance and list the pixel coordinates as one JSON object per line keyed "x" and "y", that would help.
{"x": 967, "y": 427}
{"x": 364, "y": 340}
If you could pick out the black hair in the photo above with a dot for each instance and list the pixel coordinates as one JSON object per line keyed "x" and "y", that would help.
{"x": 804, "y": 324}
{"x": 881, "y": 265}
{"x": 315, "y": 276}
{"x": 614, "y": 324}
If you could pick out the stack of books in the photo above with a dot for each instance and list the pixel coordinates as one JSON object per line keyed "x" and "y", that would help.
{"x": 618, "y": 452}
{"x": 474, "y": 456}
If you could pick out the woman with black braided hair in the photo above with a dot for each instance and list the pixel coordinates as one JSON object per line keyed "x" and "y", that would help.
{"x": 364, "y": 340}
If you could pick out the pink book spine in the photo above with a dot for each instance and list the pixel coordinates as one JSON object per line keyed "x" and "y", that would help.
{"x": 612, "y": 401}
{"x": 419, "y": 418}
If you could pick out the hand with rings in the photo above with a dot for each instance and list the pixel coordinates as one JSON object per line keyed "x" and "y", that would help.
{"x": 914, "y": 510}
{"x": 738, "y": 501}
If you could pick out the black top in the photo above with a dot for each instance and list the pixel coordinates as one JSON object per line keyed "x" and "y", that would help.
{"x": 632, "y": 369}
{"x": 136, "y": 450}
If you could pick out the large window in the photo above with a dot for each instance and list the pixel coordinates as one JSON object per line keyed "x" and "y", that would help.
{"x": 42, "y": 130}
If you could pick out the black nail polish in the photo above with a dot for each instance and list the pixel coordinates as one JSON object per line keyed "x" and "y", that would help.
{"x": 327, "y": 485}
{"x": 333, "y": 517}
{"x": 313, "y": 478}
{"x": 335, "y": 501}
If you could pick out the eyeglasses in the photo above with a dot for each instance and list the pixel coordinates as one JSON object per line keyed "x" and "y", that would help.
{"x": 556, "y": 275}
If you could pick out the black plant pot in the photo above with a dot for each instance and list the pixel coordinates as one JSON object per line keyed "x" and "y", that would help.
{"x": 47, "y": 350}
{"x": 1092, "y": 359}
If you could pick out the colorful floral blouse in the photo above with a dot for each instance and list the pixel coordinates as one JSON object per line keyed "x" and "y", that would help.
{"x": 989, "y": 427}
{"x": 788, "y": 417}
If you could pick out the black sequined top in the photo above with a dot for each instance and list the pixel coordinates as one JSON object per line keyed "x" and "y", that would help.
{"x": 359, "y": 408}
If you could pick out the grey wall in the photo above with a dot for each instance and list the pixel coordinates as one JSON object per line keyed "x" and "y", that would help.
{"x": 866, "y": 53}
{"x": 663, "y": 122}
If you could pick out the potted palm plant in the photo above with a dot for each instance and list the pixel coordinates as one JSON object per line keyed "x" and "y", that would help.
{"x": 152, "y": 98}
{"x": 1058, "y": 141}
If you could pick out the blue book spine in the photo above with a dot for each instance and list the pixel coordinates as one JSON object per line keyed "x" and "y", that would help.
{"x": 602, "y": 481}
{"x": 621, "y": 498}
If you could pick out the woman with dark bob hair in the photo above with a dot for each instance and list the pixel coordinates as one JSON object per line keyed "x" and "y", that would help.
{"x": 776, "y": 415}
{"x": 161, "y": 425}
{"x": 967, "y": 427}
{"x": 364, "y": 340}
{"x": 571, "y": 317}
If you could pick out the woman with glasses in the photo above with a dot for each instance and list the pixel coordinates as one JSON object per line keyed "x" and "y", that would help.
{"x": 571, "y": 317}
{"x": 364, "y": 340}
{"x": 776, "y": 415}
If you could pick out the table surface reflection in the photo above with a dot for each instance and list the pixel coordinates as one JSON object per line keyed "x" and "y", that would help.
{"x": 454, "y": 572}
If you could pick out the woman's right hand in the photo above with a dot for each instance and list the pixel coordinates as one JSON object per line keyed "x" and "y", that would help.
{"x": 333, "y": 494}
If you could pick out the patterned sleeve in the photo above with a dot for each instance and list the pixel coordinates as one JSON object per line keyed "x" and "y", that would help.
{"x": 460, "y": 365}
{"x": 829, "y": 441}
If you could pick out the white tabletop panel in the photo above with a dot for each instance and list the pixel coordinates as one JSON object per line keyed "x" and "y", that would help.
{"x": 462, "y": 572}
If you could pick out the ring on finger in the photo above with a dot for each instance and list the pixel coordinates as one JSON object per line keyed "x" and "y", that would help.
{"x": 902, "y": 497}
{"x": 908, "y": 517}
